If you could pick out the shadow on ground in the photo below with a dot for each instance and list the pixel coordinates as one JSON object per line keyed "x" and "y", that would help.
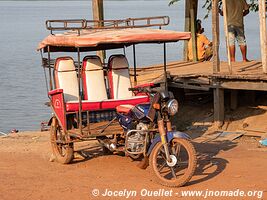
{"x": 209, "y": 164}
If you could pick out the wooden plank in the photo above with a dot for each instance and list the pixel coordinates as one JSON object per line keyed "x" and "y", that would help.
{"x": 215, "y": 36}
{"x": 244, "y": 85}
{"x": 189, "y": 86}
{"x": 193, "y": 70}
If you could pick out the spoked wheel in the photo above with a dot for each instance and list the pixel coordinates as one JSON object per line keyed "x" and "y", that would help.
{"x": 182, "y": 166}
{"x": 62, "y": 151}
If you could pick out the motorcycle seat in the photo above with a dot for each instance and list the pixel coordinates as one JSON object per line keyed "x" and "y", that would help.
{"x": 125, "y": 109}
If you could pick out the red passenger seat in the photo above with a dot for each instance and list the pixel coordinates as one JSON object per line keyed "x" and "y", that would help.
{"x": 119, "y": 81}
{"x": 125, "y": 109}
{"x": 94, "y": 88}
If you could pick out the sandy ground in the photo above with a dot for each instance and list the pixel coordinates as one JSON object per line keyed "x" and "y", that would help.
{"x": 238, "y": 165}
{"x": 26, "y": 173}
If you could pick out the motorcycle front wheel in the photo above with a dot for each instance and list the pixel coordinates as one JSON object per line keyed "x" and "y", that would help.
{"x": 180, "y": 169}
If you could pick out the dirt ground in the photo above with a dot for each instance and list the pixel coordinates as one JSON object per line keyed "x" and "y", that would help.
{"x": 27, "y": 173}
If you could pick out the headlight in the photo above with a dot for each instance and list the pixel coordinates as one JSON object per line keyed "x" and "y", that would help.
{"x": 172, "y": 106}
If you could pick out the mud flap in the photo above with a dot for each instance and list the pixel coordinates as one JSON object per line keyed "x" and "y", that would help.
{"x": 170, "y": 136}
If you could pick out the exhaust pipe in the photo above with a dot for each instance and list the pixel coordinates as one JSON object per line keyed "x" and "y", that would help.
{"x": 108, "y": 144}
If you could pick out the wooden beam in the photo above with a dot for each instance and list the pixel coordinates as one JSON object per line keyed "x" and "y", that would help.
{"x": 244, "y": 85}
{"x": 226, "y": 36}
{"x": 189, "y": 86}
{"x": 263, "y": 40}
{"x": 215, "y": 36}
{"x": 218, "y": 94}
{"x": 98, "y": 14}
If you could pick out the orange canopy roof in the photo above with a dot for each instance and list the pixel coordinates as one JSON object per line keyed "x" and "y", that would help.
{"x": 108, "y": 38}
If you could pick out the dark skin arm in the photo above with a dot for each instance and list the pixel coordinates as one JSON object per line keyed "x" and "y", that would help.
{"x": 221, "y": 12}
{"x": 245, "y": 12}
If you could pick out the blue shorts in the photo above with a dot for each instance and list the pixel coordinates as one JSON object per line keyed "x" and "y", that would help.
{"x": 238, "y": 33}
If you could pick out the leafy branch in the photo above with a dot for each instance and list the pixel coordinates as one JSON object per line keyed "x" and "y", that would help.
{"x": 254, "y": 6}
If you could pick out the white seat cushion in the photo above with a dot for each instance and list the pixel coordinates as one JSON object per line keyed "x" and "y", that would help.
{"x": 119, "y": 77}
{"x": 66, "y": 78}
{"x": 93, "y": 79}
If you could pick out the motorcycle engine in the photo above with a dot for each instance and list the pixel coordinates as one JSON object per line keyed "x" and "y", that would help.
{"x": 135, "y": 140}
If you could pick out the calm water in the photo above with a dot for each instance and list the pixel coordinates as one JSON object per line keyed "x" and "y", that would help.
{"x": 22, "y": 85}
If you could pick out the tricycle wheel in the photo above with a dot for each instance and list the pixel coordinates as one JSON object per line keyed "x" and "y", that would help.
{"x": 63, "y": 151}
{"x": 182, "y": 166}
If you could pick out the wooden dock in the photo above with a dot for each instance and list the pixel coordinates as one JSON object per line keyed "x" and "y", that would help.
{"x": 200, "y": 76}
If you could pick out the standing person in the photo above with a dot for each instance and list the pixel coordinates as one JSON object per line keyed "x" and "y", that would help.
{"x": 236, "y": 10}
{"x": 204, "y": 46}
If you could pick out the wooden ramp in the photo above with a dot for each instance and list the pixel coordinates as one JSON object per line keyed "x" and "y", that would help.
{"x": 199, "y": 75}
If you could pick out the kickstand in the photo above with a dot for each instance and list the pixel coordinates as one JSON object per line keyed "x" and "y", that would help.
{"x": 108, "y": 125}
{"x": 143, "y": 164}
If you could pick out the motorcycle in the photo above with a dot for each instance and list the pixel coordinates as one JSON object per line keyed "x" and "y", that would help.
{"x": 149, "y": 135}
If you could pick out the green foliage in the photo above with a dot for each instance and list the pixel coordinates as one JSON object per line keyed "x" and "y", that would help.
{"x": 208, "y": 5}
{"x": 172, "y": 2}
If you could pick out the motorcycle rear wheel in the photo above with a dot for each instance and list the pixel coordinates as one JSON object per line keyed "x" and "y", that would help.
{"x": 181, "y": 170}
{"x": 64, "y": 153}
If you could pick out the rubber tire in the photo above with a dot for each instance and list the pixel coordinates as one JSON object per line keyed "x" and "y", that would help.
{"x": 106, "y": 151}
{"x": 188, "y": 174}
{"x": 69, "y": 150}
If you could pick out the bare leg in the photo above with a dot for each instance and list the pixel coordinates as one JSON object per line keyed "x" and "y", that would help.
{"x": 243, "y": 49}
{"x": 232, "y": 53}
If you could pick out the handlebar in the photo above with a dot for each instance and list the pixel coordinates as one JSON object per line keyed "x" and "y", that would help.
{"x": 145, "y": 88}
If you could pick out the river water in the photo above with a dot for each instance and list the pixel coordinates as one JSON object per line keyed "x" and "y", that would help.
{"x": 22, "y": 27}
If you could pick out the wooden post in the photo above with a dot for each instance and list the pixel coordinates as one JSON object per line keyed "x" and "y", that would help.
{"x": 263, "y": 40}
{"x": 226, "y": 35}
{"x": 215, "y": 36}
{"x": 193, "y": 30}
{"x": 189, "y": 4}
{"x": 186, "y": 27}
{"x": 98, "y": 14}
{"x": 233, "y": 99}
{"x": 193, "y": 34}
{"x": 218, "y": 94}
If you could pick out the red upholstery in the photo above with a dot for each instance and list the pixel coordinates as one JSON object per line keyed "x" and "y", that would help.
{"x": 84, "y": 78}
{"x": 72, "y": 106}
{"x": 124, "y": 108}
{"x": 110, "y": 82}
{"x": 56, "y": 91}
{"x": 113, "y": 103}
